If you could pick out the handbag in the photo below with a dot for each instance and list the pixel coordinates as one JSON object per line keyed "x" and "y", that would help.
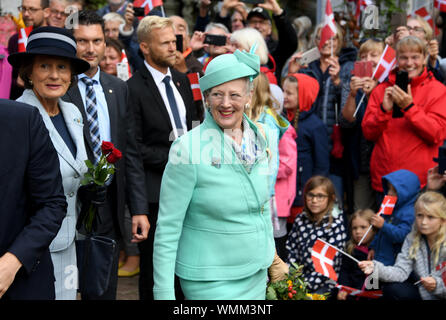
{"x": 95, "y": 260}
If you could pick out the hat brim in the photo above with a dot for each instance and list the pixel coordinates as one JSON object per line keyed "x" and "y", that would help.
{"x": 79, "y": 65}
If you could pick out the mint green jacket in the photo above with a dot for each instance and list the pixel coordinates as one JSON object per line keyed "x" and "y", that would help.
{"x": 214, "y": 220}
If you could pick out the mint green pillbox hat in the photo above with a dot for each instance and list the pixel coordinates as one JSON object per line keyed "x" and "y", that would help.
{"x": 231, "y": 66}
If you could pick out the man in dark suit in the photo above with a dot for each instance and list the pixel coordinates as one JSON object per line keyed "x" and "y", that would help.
{"x": 102, "y": 100}
{"x": 32, "y": 203}
{"x": 164, "y": 109}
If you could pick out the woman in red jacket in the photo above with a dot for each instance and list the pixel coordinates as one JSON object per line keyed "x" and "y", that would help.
{"x": 412, "y": 140}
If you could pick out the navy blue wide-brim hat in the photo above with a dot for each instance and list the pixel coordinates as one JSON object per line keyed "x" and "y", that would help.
{"x": 50, "y": 41}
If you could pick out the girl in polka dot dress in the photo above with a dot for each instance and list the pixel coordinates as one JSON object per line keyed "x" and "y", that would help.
{"x": 321, "y": 218}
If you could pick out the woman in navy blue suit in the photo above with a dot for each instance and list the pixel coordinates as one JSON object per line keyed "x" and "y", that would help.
{"x": 48, "y": 69}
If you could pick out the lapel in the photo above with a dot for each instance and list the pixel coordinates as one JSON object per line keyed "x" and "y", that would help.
{"x": 74, "y": 125}
{"x": 75, "y": 97}
{"x": 110, "y": 93}
{"x": 155, "y": 93}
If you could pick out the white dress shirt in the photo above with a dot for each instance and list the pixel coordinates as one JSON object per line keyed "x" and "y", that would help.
{"x": 158, "y": 78}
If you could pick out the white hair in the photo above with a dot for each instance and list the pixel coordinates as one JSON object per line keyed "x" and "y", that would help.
{"x": 113, "y": 16}
{"x": 247, "y": 37}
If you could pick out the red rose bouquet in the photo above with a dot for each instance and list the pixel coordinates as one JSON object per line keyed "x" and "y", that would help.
{"x": 95, "y": 179}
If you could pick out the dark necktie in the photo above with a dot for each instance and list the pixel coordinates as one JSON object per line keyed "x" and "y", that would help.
{"x": 92, "y": 117}
{"x": 173, "y": 105}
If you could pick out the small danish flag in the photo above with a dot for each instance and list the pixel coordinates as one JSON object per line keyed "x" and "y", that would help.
{"x": 23, "y": 38}
{"x": 440, "y": 5}
{"x": 386, "y": 63}
{"x": 323, "y": 255}
{"x": 387, "y": 205}
{"x": 424, "y": 13}
{"x": 441, "y": 268}
{"x": 329, "y": 29}
{"x": 125, "y": 60}
{"x": 195, "y": 86}
{"x": 148, "y": 5}
{"x": 374, "y": 294}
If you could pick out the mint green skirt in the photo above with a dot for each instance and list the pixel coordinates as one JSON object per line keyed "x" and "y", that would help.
{"x": 250, "y": 288}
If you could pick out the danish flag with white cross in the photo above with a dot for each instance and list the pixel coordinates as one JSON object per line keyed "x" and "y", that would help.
{"x": 329, "y": 29}
{"x": 323, "y": 255}
{"x": 23, "y": 38}
{"x": 440, "y": 5}
{"x": 386, "y": 63}
{"x": 387, "y": 205}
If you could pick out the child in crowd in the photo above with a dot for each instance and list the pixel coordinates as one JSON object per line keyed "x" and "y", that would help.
{"x": 423, "y": 253}
{"x": 350, "y": 274}
{"x": 285, "y": 186}
{"x": 300, "y": 92}
{"x": 322, "y": 219}
{"x": 392, "y": 229}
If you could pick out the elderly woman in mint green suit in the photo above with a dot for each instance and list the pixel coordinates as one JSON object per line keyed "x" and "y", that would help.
{"x": 214, "y": 227}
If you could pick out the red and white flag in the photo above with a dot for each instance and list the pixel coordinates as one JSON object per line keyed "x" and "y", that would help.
{"x": 374, "y": 294}
{"x": 148, "y": 5}
{"x": 441, "y": 268}
{"x": 329, "y": 28}
{"x": 23, "y": 38}
{"x": 440, "y": 5}
{"x": 360, "y": 7}
{"x": 388, "y": 205}
{"x": 195, "y": 85}
{"x": 424, "y": 13}
{"x": 386, "y": 63}
{"x": 323, "y": 255}
{"x": 125, "y": 60}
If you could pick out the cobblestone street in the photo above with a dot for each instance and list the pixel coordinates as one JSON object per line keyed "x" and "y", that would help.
{"x": 128, "y": 288}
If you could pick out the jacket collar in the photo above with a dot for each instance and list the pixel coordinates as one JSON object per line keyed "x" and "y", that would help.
{"x": 74, "y": 125}
{"x": 414, "y": 82}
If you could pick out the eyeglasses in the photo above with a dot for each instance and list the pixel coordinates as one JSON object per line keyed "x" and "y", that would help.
{"x": 218, "y": 97}
{"x": 318, "y": 196}
{"x": 416, "y": 29}
{"x": 56, "y": 13}
{"x": 30, "y": 10}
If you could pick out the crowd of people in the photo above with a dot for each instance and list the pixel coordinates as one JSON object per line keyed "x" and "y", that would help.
{"x": 219, "y": 193}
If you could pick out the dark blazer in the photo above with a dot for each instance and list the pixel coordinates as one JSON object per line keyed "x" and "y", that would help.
{"x": 152, "y": 123}
{"x": 32, "y": 200}
{"x": 129, "y": 174}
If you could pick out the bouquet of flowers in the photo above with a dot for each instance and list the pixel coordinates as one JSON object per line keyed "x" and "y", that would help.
{"x": 96, "y": 177}
{"x": 293, "y": 287}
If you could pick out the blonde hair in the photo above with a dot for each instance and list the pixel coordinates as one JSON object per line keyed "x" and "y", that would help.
{"x": 434, "y": 203}
{"x": 411, "y": 43}
{"x": 426, "y": 27}
{"x": 148, "y": 23}
{"x": 339, "y": 36}
{"x": 261, "y": 98}
{"x": 365, "y": 214}
{"x": 247, "y": 37}
{"x": 370, "y": 46}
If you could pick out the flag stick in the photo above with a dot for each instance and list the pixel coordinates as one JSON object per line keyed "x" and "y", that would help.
{"x": 359, "y": 104}
{"x": 339, "y": 250}
{"x": 433, "y": 17}
{"x": 368, "y": 230}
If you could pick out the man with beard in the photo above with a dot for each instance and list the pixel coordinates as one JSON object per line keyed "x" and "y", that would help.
{"x": 102, "y": 100}
{"x": 34, "y": 13}
{"x": 163, "y": 105}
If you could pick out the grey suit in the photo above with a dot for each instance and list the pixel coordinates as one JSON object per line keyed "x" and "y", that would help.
{"x": 128, "y": 183}
{"x": 62, "y": 248}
